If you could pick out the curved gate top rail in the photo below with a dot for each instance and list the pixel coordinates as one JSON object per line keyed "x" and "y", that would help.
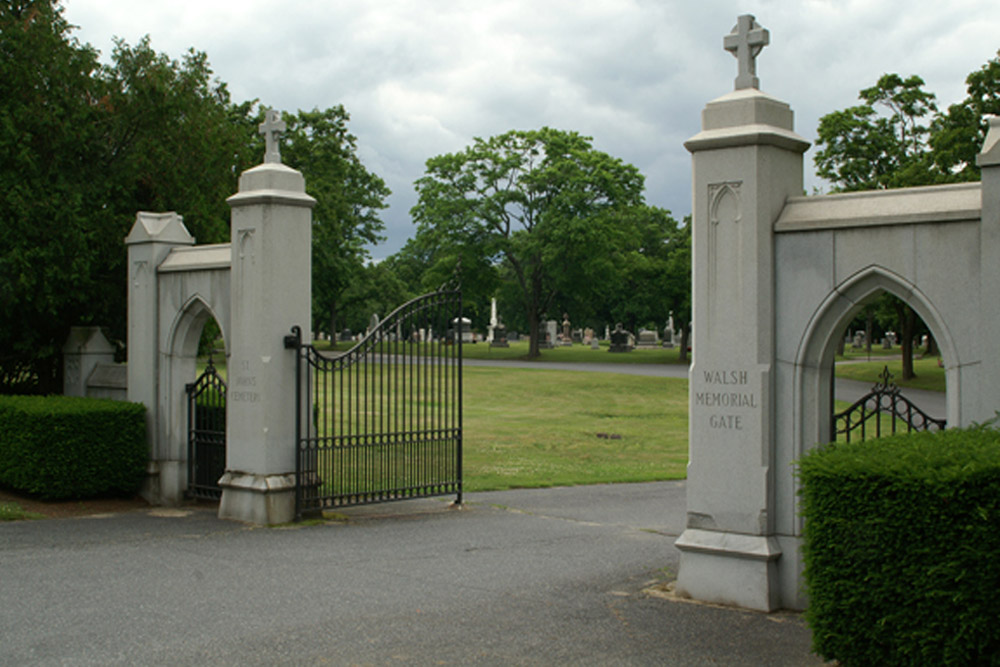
{"x": 383, "y": 421}
{"x": 866, "y": 414}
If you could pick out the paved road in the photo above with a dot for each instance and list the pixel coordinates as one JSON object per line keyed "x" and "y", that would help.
{"x": 533, "y": 577}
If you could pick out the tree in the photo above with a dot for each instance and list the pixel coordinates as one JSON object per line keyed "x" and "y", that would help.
{"x": 881, "y": 143}
{"x": 348, "y": 201}
{"x": 543, "y": 206}
{"x": 84, "y": 147}
{"x": 50, "y": 128}
{"x": 958, "y": 135}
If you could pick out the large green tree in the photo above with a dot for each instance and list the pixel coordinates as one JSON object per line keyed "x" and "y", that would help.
{"x": 348, "y": 200}
{"x": 898, "y": 138}
{"x": 542, "y": 207}
{"x": 51, "y": 128}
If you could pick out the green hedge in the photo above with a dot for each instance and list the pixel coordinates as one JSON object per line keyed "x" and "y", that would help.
{"x": 902, "y": 549}
{"x": 60, "y": 447}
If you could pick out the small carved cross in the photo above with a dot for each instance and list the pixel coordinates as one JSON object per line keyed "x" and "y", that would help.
{"x": 271, "y": 128}
{"x": 745, "y": 42}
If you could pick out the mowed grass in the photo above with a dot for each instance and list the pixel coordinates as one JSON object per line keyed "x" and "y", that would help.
{"x": 928, "y": 375}
{"x": 538, "y": 428}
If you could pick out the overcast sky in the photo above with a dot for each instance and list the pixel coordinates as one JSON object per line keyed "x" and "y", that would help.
{"x": 423, "y": 77}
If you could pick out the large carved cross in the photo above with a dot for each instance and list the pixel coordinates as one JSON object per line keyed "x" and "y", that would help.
{"x": 271, "y": 128}
{"x": 745, "y": 42}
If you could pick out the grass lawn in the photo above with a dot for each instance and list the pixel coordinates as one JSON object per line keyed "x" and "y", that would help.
{"x": 574, "y": 353}
{"x": 534, "y": 428}
{"x": 539, "y": 427}
{"x": 928, "y": 375}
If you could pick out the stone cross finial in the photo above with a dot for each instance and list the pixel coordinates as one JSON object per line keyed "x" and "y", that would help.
{"x": 271, "y": 128}
{"x": 745, "y": 42}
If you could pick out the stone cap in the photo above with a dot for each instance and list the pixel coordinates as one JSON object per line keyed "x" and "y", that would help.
{"x": 747, "y": 117}
{"x": 87, "y": 340}
{"x": 990, "y": 156}
{"x": 272, "y": 183}
{"x": 159, "y": 228}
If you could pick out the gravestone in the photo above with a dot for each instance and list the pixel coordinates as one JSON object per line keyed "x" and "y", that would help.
{"x": 549, "y": 335}
{"x": 346, "y": 335}
{"x": 566, "y": 337}
{"x": 499, "y": 333}
{"x": 620, "y": 340}
{"x": 647, "y": 340}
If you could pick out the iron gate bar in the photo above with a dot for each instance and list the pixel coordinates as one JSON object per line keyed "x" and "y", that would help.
{"x": 382, "y": 421}
{"x": 206, "y": 434}
{"x": 884, "y": 398}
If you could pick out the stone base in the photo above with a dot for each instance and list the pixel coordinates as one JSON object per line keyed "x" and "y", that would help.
{"x": 165, "y": 482}
{"x": 502, "y": 343}
{"x": 729, "y": 568}
{"x": 261, "y": 499}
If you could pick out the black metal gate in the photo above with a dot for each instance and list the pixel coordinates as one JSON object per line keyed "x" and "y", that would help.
{"x": 206, "y": 434}
{"x": 383, "y": 421}
{"x": 883, "y": 411}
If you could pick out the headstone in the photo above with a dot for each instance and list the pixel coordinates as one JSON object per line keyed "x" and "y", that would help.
{"x": 647, "y": 340}
{"x": 494, "y": 321}
{"x": 566, "y": 337}
{"x": 859, "y": 340}
{"x": 588, "y": 335}
{"x": 499, "y": 333}
{"x": 513, "y": 336}
{"x": 607, "y": 332}
{"x": 463, "y": 328}
{"x": 620, "y": 340}
{"x": 594, "y": 343}
{"x": 577, "y": 336}
{"x": 373, "y": 323}
{"x": 346, "y": 335}
{"x": 668, "y": 331}
{"x": 549, "y": 335}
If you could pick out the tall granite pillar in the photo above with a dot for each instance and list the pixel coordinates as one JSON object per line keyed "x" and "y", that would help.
{"x": 271, "y": 292}
{"x": 747, "y": 160}
{"x": 150, "y": 240}
{"x": 989, "y": 248}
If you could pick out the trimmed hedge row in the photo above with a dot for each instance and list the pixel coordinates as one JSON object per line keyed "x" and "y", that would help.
{"x": 902, "y": 549}
{"x": 60, "y": 447}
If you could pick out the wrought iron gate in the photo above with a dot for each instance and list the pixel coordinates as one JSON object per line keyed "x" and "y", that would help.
{"x": 881, "y": 412}
{"x": 206, "y": 434}
{"x": 383, "y": 421}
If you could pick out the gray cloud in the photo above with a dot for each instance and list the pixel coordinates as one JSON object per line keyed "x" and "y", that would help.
{"x": 421, "y": 78}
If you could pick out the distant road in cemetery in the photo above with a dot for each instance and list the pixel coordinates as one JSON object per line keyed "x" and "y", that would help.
{"x": 931, "y": 402}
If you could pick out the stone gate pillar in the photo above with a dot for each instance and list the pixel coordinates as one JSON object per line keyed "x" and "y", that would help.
{"x": 989, "y": 263}
{"x": 747, "y": 160}
{"x": 271, "y": 291}
{"x": 150, "y": 240}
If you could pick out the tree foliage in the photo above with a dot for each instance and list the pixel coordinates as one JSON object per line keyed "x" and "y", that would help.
{"x": 84, "y": 146}
{"x": 540, "y": 215}
{"x": 348, "y": 201}
{"x": 899, "y": 138}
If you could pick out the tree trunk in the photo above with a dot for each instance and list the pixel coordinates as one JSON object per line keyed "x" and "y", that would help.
{"x": 907, "y": 327}
{"x": 841, "y": 343}
{"x": 684, "y": 345}
{"x": 533, "y": 347}
{"x": 932, "y": 348}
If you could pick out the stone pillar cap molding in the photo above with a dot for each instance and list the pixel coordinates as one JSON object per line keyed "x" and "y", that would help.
{"x": 159, "y": 228}
{"x": 990, "y": 156}
{"x": 87, "y": 340}
{"x": 272, "y": 183}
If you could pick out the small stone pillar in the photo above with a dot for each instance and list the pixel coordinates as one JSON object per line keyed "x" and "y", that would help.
{"x": 747, "y": 161}
{"x": 151, "y": 239}
{"x": 271, "y": 292}
{"x": 84, "y": 349}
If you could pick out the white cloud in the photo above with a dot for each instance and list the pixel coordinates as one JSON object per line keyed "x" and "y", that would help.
{"x": 423, "y": 77}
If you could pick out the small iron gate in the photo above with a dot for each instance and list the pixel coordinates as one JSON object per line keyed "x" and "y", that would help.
{"x": 383, "y": 421}
{"x": 883, "y": 404}
{"x": 206, "y": 434}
